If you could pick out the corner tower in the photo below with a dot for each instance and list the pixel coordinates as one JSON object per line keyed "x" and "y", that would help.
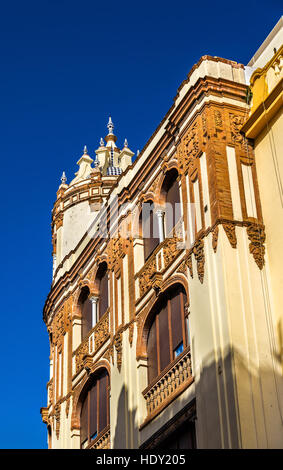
{"x": 79, "y": 202}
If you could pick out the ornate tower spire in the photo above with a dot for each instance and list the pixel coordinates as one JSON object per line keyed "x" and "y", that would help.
{"x": 110, "y": 126}
{"x": 110, "y": 138}
{"x": 63, "y": 178}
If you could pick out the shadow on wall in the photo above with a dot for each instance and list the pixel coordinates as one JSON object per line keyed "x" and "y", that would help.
{"x": 126, "y": 430}
{"x": 239, "y": 404}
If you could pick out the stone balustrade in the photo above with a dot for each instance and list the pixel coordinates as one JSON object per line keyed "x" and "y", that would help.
{"x": 102, "y": 441}
{"x": 92, "y": 342}
{"x": 170, "y": 383}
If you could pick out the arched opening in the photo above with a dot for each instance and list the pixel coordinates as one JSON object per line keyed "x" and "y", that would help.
{"x": 148, "y": 228}
{"x": 168, "y": 333}
{"x": 170, "y": 198}
{"x": 94, "y": 417}
{"x": 102, "y": 285}
{"x": 86, "y": 311}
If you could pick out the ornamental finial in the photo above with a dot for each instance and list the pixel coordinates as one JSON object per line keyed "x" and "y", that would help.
{"x": 138, "y": 152}
{"x": 126, "y": 143}
{"x": 63, "y": 178}
{"x": 110, "y": 126}
{"x": 101, "y": 143}
{"x": 85, "y": 150}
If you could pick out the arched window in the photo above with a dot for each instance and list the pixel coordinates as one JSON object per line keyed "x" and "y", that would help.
{"x": 168, "y": 333}
{"x": 102, "y": 283}
{"x": 86, "y": 311}
{"x": 95, "y": 409}
{"x": 148, "y": 229}
{"x": 170, "y": 195}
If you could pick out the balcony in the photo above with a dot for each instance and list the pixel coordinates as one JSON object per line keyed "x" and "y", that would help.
{"x": 93, "y": 341}
{"x": 160, "y": 259}
{"x": 102, "y": 441}
{"x": 168, "y": 385}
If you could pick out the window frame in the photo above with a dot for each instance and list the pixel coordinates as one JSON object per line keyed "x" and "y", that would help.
{"x": 185, "y": 334}
{"x": 95, "y": 383}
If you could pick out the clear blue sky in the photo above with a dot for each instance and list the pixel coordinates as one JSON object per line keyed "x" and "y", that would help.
{"x": 65, "y": 66}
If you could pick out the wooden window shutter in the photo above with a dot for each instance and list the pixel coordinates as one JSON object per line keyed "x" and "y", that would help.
{"x": 152, "y": 352}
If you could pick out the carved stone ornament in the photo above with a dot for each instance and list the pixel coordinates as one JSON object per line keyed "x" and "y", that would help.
{"x": 188, "y": 150}
{"x": 256, "y": 235}
{"x": 215, "y": 238}
{"x": 182, "y": 268}
{"x": 68, "y": 406}
{"x": 144, "y": 278}
{"x": 218, "y": 118}
{"x": 87, "y": 363}
{"x": 198, "y": 251}
{"x": 236, "y": 123}
{"x": 62, "y": 321}
{"x": 189, "y": 263}
{"x": 153, "y": 187}
{"x": 100, "y": 333}
{"x": 57, "y": 418}
{"x": 156, "y": 282}
{"x": 50, "y": 391}
{"x": 131, "y": 333}
{"x": 59, "y": 220}
{"x": 102, "y": 330}
{"x": 118, "y": 347}
{"x": 117, "y": 249}
{"x": 109, "y": 354}
{"x": 44, "y": 415}
{"x": 231, "y": 234}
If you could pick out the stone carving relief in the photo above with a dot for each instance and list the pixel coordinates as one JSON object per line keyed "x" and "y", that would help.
{"x": 118, "y": 347}
{"x": 198, "y": 251}
{"x": 231, "y": 234}
{"x": 215, "y": 238}
{"x": 256, "y": 235}
{"x": 236, "y": 123}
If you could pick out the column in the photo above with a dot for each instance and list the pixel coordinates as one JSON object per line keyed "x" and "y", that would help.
{"x": 160, "y": 220}
{"x": 94, "y": 306}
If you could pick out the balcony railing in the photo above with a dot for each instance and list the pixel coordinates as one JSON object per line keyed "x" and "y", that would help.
{"x": 169, "y": 384}
{"x": 92, "y": 342}
{"x": 102, "y": 441}
{"x": 163, "y": 255}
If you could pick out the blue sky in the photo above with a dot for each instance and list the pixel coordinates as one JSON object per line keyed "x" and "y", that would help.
{"x": 65, "y": 66}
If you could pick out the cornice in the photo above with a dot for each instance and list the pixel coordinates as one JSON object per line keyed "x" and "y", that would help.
{"x": 264, "y": 112}
{"x": 262, "y": 71}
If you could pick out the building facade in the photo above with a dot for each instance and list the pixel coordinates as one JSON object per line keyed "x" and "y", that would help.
{"x": 164, "y": 311}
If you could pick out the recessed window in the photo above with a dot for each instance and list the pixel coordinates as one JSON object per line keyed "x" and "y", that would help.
{"x": 148, "y": 229}
{"x": 171, "y": 197}
{"x": 86, "y": 311}
{"x": 95, "y": 409}
{"x": 102, "y": 281}
{"x": 167, "y": 336}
